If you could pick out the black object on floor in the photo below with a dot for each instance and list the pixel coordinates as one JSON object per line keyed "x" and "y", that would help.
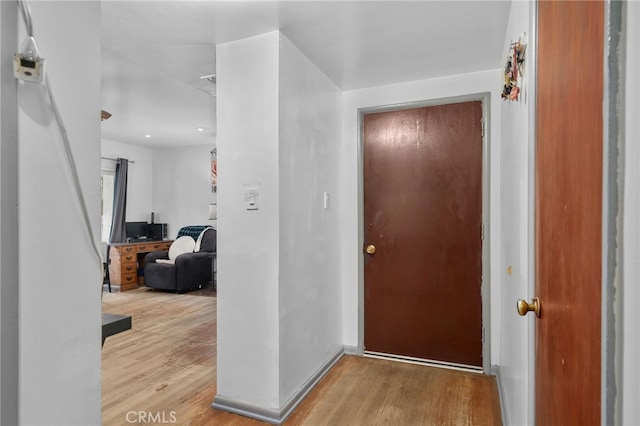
{"x": 114, "y": 324}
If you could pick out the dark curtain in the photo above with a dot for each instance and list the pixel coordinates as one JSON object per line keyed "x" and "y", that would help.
{"x": 118, "y": 232}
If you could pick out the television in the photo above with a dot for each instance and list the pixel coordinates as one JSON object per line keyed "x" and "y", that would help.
{"x": 136, "y": 230}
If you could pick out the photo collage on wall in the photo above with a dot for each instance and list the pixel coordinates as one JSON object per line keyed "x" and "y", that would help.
{"x": 513, "y": 71}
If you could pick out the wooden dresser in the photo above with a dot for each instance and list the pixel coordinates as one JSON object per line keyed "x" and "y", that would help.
{"x": 126, "y": 258}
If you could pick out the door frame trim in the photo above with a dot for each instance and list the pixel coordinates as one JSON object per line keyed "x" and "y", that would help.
{"x": 532, "y": 53}
{"x": 485, "y": 98}
{"x": 612, "y": 219}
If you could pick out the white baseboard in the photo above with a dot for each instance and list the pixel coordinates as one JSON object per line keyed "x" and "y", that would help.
{"x": 248, "y": 410}
{"x": 351, "y": 350}
{"x": 276, "y": 417}
{"x": 495, "y": 371}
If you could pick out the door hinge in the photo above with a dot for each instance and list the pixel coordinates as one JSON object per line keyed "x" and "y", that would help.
{"x": 482, "y": 232}
{"x": 482, "y": 125}
{"x": 483, "y": 334}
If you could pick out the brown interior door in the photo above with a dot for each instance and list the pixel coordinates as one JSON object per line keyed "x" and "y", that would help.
{"x": 569, "y": 211}
{"x": 423, "y": 214}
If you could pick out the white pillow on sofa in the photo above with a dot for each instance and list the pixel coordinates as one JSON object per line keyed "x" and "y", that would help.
{"x": 182, "y": 245}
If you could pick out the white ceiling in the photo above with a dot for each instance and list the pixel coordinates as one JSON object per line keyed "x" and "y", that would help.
{"x": 154, "y": 52}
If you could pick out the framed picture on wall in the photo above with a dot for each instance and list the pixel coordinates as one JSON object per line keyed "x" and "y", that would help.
{"x": 214, "y": 170}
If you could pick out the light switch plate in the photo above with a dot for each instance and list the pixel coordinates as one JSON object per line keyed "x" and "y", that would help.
{"x": 251, "y": 197}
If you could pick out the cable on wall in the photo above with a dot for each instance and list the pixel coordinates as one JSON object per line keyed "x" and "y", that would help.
{"x": 25, "y": 11}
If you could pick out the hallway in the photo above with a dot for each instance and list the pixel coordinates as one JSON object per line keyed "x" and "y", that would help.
{"x": 164, "y": 369}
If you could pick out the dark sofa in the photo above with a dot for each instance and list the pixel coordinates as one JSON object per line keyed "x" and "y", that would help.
{"x": 190, "y": 271}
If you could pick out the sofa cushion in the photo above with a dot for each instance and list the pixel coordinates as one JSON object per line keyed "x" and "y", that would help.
{"x": 206, "y": 241}
{"x": 180, "y": 246}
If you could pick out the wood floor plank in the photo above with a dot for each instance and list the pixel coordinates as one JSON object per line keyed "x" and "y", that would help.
{"x": 366, "y": 391}
{"x": 167, "y": 365}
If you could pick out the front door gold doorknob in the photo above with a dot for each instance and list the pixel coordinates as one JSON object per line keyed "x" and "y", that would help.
{"x": 370, "y": 249}
{"x": 524, "y": 307}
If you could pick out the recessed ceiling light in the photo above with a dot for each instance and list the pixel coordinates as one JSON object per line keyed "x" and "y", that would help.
{"x": 201, "y": 129}
{"x": 147, "y": 136}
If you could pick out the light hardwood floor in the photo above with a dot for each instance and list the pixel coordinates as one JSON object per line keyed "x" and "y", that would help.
{"x": 165, "y": 367}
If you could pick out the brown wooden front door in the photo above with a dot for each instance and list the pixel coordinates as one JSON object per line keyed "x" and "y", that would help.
{"x": 423, "y": 214}
{"x": 569, "y": 212}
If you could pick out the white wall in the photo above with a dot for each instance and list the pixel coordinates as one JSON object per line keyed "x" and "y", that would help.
{"x": 310, "y": 296}
{"x": 350, "y": 240}
{"x": 174, "y": 183}
{"x": 515, "y": 245}
{"x": 279, "y": 301}
{"x": 60, "y": 287}
{"x": 181, "y": 186}
{"x": 140, "y": 186}
{"x": 248, "y": 241}
{"x": 631, "y": 226}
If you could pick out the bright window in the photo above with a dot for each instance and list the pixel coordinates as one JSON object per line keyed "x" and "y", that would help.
{"x": 106, "y": 181}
